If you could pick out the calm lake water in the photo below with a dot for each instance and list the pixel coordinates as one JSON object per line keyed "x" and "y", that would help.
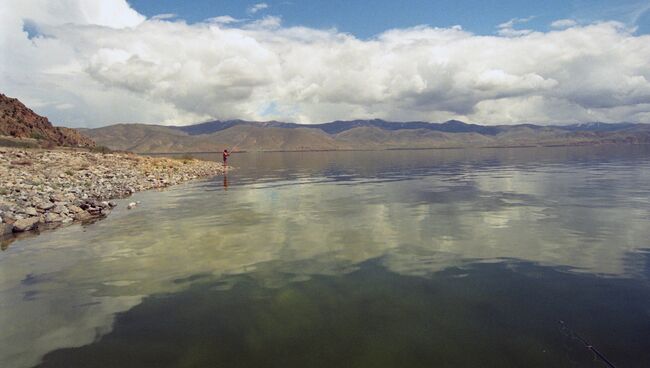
{"x": 433, "y": 258}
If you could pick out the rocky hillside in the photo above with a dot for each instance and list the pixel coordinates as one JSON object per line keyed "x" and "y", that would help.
{"x": 356, "y": 135}
{"x": 18, "y": 121}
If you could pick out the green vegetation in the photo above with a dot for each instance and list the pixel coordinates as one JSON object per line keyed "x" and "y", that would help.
{"x": 16, "y": 143}
{"x": 101, "y": 149}
{"x": 186, "y": 158}
{"x": 37, "y": 135}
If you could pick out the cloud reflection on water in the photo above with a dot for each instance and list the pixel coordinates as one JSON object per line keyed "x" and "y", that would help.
{"x": 419, "y": 212}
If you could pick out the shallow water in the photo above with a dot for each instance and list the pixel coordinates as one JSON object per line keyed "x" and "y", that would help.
{"x": 433, "y": 258}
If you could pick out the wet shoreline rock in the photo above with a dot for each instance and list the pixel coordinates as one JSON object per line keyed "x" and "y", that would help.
{"x": 42, "y": 188}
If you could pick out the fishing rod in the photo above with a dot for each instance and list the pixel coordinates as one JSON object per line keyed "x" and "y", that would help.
{"x": 238, "y": 144}
{"x": 574, "y": 335}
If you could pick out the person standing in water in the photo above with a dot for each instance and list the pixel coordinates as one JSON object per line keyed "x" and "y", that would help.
{"x": 225, "y": 157}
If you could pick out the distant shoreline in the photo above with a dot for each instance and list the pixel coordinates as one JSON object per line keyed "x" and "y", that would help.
{"x": 589, "y": 144}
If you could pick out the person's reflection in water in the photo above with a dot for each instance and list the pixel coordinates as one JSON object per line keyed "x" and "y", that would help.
{"x": 225, "y": 179}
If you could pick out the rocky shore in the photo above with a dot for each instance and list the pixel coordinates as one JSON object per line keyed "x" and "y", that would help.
{"x": 47, "y": 188}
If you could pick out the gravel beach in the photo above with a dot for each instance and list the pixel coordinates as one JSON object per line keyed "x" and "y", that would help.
{"x": 47, "y": 188}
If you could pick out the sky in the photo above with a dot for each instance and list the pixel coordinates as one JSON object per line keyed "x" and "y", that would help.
{"x": 89, "y": 63}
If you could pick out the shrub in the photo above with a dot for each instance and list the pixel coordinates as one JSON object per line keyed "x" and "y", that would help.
{"x": 48, "y": 144}
{"x": 101, "y": 149}
{"x": 37, "y": 135}
{"x": 17, "y": 143}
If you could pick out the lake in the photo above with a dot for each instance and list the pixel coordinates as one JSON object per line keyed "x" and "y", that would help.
{"x": 431, "y": 258}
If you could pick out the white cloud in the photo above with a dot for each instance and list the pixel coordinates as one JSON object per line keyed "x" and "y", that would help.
{"x": 123, "y": 68}
{"x": 507, "y": 29}
{"x": 164, "y": 16}
{"x": 257, "y": 7}
{"x": 223, "y": 19}
{"x": 564, "y": 23}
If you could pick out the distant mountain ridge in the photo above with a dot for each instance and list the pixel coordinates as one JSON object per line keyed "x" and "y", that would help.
{"x": 357, "y": 135}
{"x": 18, "y": 121}
{"x": 451, "y": 126}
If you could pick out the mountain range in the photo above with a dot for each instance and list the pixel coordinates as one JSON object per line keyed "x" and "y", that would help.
{"x": 374, "y": 134}
{"x": 19, "y": 122}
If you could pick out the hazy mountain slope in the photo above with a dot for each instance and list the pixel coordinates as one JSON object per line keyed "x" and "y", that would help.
{"x": 272, "y": 139}
{"x": 130, "y": 136}
{"x": 356, "y": 134}
{"x": 376, "y": 138}
{"x": 151, "y": 138}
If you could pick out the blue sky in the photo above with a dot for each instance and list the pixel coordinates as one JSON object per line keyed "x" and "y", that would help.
{"x": 365, "y": 19}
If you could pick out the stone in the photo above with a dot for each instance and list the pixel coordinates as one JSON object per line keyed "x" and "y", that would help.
{"x": 59, "y": 209}
{"x": 53, "y": 217}
{"x": 57, "y": 198}
{"x": 31, "y": 211}
{"x": 6, "y": 229}
{"x": 82, "y": 216}
{"x": 45, "y": 205}
{"x": 112, "y": 203}
{"x": 131, "y": 205}
{"x": 25, "y": 224}
{"x": 94, "y": 210}
{"x": 74, "y": 209}
{"x": 9, "y": 217}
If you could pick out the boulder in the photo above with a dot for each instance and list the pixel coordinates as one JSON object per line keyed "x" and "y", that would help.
{"x": 25, "y": 224}
{"x": 82, "y": 216}
{"x": 75, "y": 209}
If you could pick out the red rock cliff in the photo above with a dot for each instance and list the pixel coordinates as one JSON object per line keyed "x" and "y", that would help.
{"x": 16, "y": 120}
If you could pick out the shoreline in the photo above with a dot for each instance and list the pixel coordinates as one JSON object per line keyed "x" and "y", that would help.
{"x": 44, "y": 189}
{"x": 576, "y": 145}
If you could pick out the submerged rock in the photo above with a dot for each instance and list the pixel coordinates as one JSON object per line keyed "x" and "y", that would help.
{"x": 82, "y": 216}
{"x": 6, "y": 229}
